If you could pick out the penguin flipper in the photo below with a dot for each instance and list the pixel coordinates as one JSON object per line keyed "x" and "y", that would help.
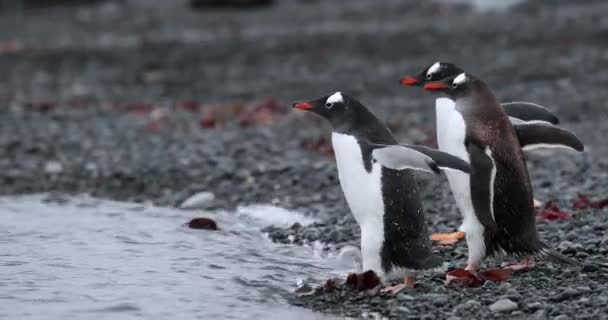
{"x": 399, "y": 157}
{"x": 528, "y": 111}
{"x": 442, "y": 159}
{"x": 482, "y": 185}
{"x": 536, "y": 135}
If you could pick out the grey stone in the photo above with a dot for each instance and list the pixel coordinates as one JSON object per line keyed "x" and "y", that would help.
{"x": 590, "y": 268}
{"x": 403, "y": 309}
{"x": 512, "y": 294}
{"x": 539, "y": 315}
{"x": 440, "y": 301}
{"x": 53, "y": 167}
{"x": 503, "y": 305}
{"x": 535, "y": 305}
{"x": 565, "y": 295}
{"x": 404, "y": 297}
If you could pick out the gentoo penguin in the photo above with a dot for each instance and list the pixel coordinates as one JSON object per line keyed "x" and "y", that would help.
{"x": 533, "y": 126}
{"x": 382, "y": 197}
{"x": 497, "y": 195}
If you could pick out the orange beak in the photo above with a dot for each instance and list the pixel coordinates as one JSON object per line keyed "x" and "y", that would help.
{"x": 409, "y": 81}
{"x": 435, "y": 86}
{"x": 303, "y": 105}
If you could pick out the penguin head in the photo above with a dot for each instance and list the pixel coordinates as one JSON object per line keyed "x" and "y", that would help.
{"x": 454, "y": 87}
{"x": 340, "y": 109}
{"x": 435, "y": 72}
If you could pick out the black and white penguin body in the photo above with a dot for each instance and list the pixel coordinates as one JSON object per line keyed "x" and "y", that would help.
{"x": 496, "y": 198}
{"x": 383, "y": 198}
{"x": 533, "y": 124}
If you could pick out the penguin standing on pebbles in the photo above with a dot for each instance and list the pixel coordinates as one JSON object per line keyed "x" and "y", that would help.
{"x": 501, "y": 218}
{"x": 534, "y": 127}
{"x": 377, "y": 180}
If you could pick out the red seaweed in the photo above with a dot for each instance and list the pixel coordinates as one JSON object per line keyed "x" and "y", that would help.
{"x": 203, "y": 224}
{"x": 551, "y": 212}
{"x": 583, "y": 202}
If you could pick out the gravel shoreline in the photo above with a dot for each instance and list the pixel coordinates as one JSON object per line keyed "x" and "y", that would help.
{"x": 155, "y": 104}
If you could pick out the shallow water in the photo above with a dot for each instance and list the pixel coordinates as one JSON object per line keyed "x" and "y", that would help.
{"x": 81, "y": 257}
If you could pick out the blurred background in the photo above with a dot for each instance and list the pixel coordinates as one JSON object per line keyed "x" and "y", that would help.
{"x": 156, "y": 101}
{"x": 128, "y": 68}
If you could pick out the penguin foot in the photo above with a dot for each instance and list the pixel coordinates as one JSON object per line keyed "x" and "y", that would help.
{"x": 408, "y": 283}
{"x": 448, "y": 238}
{"x": 472, "y": 278}
{"x": 527, "y": 263}
{"x": 496, "y": 275}
{"x": 463, "y": 278}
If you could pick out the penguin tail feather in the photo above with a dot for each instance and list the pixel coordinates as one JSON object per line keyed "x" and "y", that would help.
{"x": 558, "y": 258}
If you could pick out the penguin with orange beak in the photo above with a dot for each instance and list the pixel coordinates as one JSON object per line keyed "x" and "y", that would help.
{"x": 497, "y": 196}
{"x": 534, "y": 128}
{"x": 377, "y": 177}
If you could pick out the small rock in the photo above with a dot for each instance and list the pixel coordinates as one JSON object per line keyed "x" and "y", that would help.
{"x": 440, "y": 301}
{"x": 53, "y": 167}
{"x": 583, "y": 289}
{"x": 539, "y": 315}
{"x": 503, "y": 305}
{"x": 585, "y": 301}
{"x": 565, "y": 295}
{"x": 403, "y": 309}
{"x": 564, "y": 246}
{"x": 467, "y": 307}
{"x": 512, "y": 294}
{"x": 568, "y": 247}
{"x": 590, "y": 268}
{"x": 404, "y": 297}
{"x": 304, "y": 288}
{"x": 561, "y": 317}
{"x": 197, "y": 200}
{"x": 202, "y": 223}
{"x": 602, "y": 300}
{"x": 535, "y": 305}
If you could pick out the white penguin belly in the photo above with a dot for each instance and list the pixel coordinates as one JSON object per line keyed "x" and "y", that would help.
{"x": 363, "y": 192}
{"x": 451, "y": 134}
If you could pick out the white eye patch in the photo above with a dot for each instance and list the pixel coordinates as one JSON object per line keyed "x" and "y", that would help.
{"x": 434, "y": 68}
{"x": 335, "y": 98}
{"x": 461, "y": 78}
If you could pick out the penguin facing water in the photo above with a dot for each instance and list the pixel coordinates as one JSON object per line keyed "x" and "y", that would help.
{"x": 382, "y": 197}
{"x": 533, "y": 124}
{"x": 499, "y": 213}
